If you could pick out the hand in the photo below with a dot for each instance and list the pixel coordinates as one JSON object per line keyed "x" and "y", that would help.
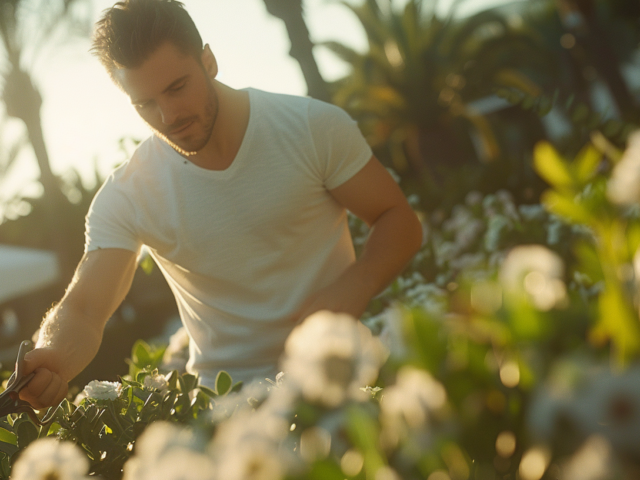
{"x": 47, "y": 388}
{"x": 346, "y": 295}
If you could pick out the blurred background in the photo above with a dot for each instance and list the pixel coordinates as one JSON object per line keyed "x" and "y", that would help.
{"x": 452, "y": 96}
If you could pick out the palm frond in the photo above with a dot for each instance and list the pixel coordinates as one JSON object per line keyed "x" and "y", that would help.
{"x": 343, "y": 52}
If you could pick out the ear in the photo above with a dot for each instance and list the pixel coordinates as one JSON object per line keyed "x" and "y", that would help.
{"x": 209, "y": 62}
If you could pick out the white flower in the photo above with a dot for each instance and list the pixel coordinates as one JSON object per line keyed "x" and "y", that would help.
{"x": 392, "y": 334}
{"x": 156, "y": 381}
{"x": 330, "y": 356}
{"x": 429, "y": 297}
{"x": 508, "y": 207}
{"x": 498, "y": 224}
{"x": 410, "y": 400}
{"x": 247, "y": 446}
{"x": 624, "y": 185}
{"x": 536, "y": 272}
{"x": 610, "y": 406}
{"x": 176, "y": 464}
{"x": 254, "y": 392}
{"x": 593, "y": 461}
{"x": 469, "y": 261}
{"x": 48, "y": 458}
{"x": 531, "y": 213}
{"x": 162, "y": 452}
{"x": 100, "y": 390}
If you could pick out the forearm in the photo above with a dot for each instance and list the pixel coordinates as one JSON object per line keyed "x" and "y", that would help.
{"x": 73, "y": 335}
{"x": 393, "y": 240}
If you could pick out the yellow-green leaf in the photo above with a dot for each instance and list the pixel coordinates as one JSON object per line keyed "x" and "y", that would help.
{"x": 619, "y": 323}
{"x": 8, "y": 437}
{"x": 566, "y": 207}
{"x": 552, "y": 167}
{"x": 587, "y": 163}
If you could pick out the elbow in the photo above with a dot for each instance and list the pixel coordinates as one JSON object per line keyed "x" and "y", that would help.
{"x": 417, "y": 234}
{"x": 412, "y": 233}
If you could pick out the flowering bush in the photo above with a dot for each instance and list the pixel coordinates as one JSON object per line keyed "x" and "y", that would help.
{"x": 508, "y": 349}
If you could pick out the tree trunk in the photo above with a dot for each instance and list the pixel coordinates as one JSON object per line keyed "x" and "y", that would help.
{"x": 291, "y": 13}
{"x": 23, "y": 101}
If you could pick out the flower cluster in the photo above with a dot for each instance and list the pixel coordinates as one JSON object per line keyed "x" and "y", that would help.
{"x": 508, "y": 349}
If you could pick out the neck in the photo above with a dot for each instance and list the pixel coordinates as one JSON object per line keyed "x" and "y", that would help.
{"x": 228, "y": 130}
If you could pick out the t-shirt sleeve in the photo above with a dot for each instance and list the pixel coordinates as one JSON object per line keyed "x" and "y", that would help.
{"x": 110, "y": 221}
{"x": 340, "y": 147}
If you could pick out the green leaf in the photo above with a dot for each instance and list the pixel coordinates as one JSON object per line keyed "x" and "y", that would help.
{"x": 26, "y": 432}
{"x": 423, "y": 333}
{"x": 8, "y": 448}
{"x": 566, "y": 207}
{"x": 168, "y": 404}
{"x": 551, "y": 166}
{"x": 141, "y": 376}
{"x": 223, "y": 382}
{"x": 8, "y": 437}
{"x": 580, "y": 113}
{"x": 172, "y": 379}
{"x": 587, "y": 163}
{"x": 237, "y": 387}
{"x": 325, "y": 470}
{"x": 364, "y": 433}
{"x": 140, "y": 354}
{"x": 618, "y": 323}
{"x": 189, "y": 382}
{"x": 207, "y": 391}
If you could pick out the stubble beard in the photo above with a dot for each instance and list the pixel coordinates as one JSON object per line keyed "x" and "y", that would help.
{"x": 208, "y": 122}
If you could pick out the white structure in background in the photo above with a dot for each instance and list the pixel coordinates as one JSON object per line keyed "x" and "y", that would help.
{"x": 23, "y": 270}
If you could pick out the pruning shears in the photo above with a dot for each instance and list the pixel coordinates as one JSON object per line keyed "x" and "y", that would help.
{"x": 9, "y": 399}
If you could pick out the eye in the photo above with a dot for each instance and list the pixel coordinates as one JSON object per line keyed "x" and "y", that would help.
{"x": 142, "y": 106}
{"x": 178, "y": 87}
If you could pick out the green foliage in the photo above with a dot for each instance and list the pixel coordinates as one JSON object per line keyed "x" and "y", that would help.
{"x": 580, "y": 114}
{"x": 412, "y": 92}
{"x": 578, "y": 194}
{"x": 106, "y": 429}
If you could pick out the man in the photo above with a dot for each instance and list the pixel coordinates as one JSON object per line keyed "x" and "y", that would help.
{"x": 241, "y": 198}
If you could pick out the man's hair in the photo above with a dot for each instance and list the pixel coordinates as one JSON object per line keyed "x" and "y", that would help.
{"x": 130, "y": 31}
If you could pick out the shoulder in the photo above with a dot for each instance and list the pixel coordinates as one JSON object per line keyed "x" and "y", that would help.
{"x": 328, "y": 114}
{"x": 144, "y": 166}
{"x": 310, "y": 111}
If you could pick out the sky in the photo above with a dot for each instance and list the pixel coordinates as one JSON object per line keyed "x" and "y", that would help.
{"x": 85, "y": 115}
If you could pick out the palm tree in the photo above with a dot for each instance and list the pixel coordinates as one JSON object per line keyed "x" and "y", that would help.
{"x": 581, "y": 18}
{"x": 25, "y": 26}
{"x": 291, "y": 13}
{"x": 413, "y": 91}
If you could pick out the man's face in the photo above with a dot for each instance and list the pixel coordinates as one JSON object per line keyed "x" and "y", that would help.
{"x": 175, "y": 95}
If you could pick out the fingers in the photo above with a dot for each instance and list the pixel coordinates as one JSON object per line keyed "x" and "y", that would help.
{"x": 44, "y": 390}
{"x": 34, "y": 359}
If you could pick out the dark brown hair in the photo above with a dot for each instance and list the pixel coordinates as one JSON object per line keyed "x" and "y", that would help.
{"x": 130, "y": 31}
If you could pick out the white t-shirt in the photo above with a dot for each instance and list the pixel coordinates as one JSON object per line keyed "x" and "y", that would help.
{"x": 240, "y": 248}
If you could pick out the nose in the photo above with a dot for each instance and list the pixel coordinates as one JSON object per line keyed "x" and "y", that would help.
{"x": 168, "y": 112}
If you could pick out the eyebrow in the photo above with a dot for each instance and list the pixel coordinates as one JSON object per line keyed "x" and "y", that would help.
{"x": 171, "y": 85}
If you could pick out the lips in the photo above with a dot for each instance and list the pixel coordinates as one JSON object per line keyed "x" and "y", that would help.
{"x": 181, "y": 128}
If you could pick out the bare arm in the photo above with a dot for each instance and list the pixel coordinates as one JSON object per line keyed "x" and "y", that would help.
{"x": 395, "y": 237}
{"x": 71, "y": 332}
